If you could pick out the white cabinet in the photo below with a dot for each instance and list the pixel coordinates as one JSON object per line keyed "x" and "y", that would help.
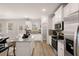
{"x": 70, "y": 8}
{"x": 58, "y": 17}
{"x": 60, "y": 47}
{"x": 53, "y": 22}
{"x": 24, "y": 48}
{"x": 74, "y": 7}
{"x": 49, "y": 40}
{"x": 58, "y": 13}
{"x": 67, "y": 10}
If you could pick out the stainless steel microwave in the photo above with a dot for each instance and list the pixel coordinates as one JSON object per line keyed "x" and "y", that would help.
{"x": 59, "y": 26}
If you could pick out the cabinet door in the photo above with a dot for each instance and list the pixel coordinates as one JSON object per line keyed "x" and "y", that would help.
{"x": 60, "y": 47}
{"x": 66, "y": 10}
{"x": 24, "y": 48}
{"x": 70, "y": 8}
{"x": 74, "y": 7}
{"x": 53, "y": 22}
{"x": 58, "y": 13}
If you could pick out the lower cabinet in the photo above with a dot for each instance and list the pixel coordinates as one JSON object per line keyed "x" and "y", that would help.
{"x": 24, "y": 48}
{"x": 60, "y": 47}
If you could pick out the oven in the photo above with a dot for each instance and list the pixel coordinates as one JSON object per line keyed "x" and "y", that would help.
{"x": 55, "y": 43}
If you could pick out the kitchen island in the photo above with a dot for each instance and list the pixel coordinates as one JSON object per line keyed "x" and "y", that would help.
{"x": 24, "y": 48}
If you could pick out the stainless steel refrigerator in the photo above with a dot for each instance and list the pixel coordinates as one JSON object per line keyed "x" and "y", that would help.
{"x": 77, "y": 46}
{"x": 71, "y": 34}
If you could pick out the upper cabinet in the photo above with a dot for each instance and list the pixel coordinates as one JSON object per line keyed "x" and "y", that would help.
{"x": 70, "y": 8}
{"x": 58, "y": 17}
{"x": 58, "y": 13}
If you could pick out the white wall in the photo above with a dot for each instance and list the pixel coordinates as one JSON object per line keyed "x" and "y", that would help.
{"x": 13, "y": 34}
{"x": 3, "y": 27}
{"x": 50, "y": 22}
{"x": 15, "y": 30}
{"x": 44, "y": 27}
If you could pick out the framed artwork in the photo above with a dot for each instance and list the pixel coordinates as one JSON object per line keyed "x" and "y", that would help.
{"x": 10, "y": 26}
{"x": 34, "y": 27}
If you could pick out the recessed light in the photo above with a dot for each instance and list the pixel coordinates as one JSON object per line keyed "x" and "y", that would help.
{"x": 44, "y": 9}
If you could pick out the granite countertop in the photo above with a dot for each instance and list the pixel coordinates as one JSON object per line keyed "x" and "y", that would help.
{"x": 24, "y": 41}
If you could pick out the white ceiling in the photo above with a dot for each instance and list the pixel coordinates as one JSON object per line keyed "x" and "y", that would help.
{"x": 30, "y": 10}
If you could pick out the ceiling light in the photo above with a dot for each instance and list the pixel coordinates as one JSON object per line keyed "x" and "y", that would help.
{"x": 44, "y": 9}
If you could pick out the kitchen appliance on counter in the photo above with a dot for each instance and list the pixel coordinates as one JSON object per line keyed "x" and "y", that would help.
{"x": 60, "y": 35}
{"x": 71, "y": 30}
{"x": 27, "y": 34}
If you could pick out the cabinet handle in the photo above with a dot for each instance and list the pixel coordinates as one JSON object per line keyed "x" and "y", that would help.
{"x": 72, "y": 48}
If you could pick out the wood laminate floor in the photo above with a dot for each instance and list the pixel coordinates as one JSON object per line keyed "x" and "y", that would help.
{"x": 42, "y": 49}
